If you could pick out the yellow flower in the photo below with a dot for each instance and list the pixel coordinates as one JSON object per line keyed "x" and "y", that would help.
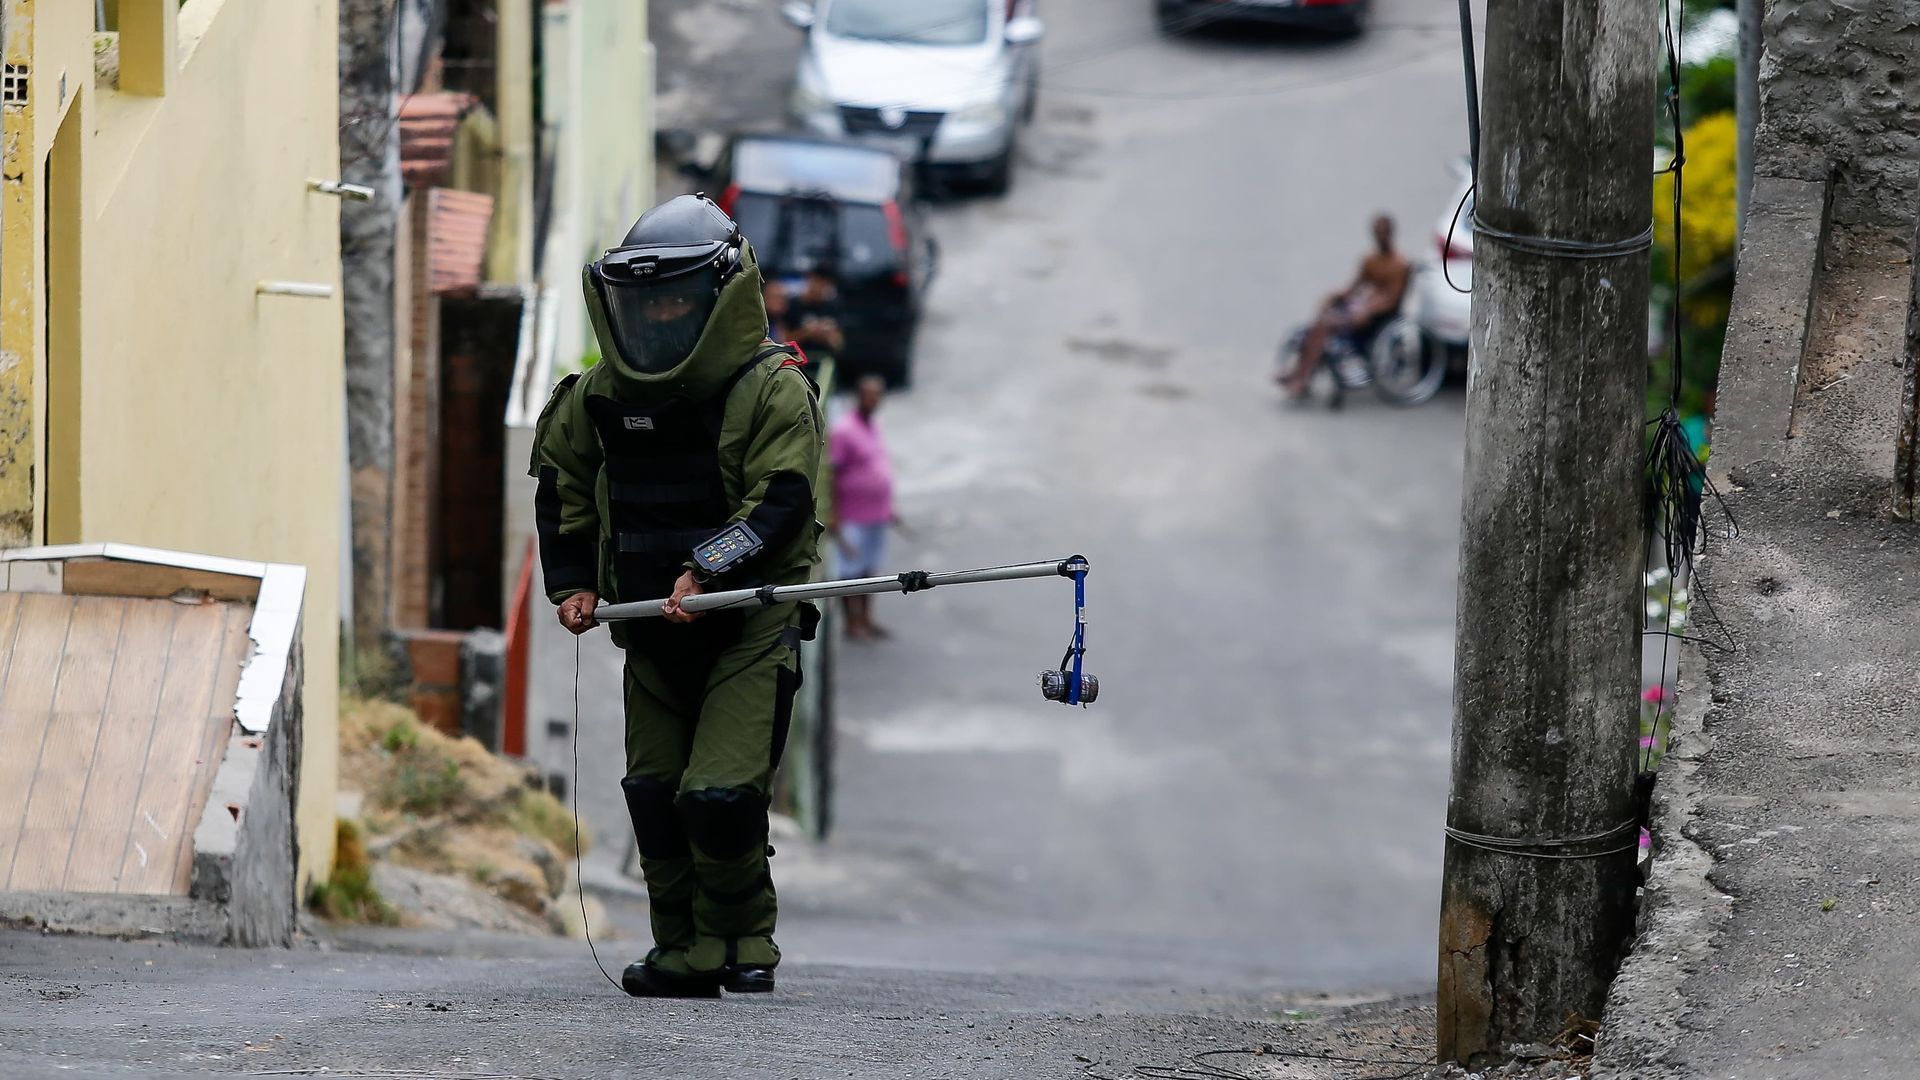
{"x": 1708, "y": 214}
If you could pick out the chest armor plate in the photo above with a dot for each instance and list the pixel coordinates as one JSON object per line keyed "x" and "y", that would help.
{"x": 665, "y": 493}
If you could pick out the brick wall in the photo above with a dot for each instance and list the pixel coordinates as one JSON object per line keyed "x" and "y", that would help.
{"x": 434, "y": 692}
{"x": 417, "y": 440}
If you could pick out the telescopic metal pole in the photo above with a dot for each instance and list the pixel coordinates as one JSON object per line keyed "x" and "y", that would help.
{"x": 820, "y": 590}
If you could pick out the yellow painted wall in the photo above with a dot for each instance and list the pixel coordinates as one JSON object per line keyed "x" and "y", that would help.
{"x": 615, "y": 114}
{"x": 209, "y": 418}
{"x": 598, "y": 71}
{"x": 510, "y": 237}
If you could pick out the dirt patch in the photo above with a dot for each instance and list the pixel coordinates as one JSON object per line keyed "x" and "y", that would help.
{"x": 453, "y": 836}
{"x": 1861, "y": 312}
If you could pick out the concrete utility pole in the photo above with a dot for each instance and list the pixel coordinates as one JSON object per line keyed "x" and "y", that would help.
{"x": 1746, "y": 103}
{"x": 1547, "y": 663}
{"x": 369, "y": 155}
{"x": 1906, "y": 447}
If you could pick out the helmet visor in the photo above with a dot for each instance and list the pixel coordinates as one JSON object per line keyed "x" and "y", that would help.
{"x": 656, "y": 324}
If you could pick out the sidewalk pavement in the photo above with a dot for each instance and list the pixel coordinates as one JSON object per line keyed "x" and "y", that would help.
{"x": 1782, "y": 936}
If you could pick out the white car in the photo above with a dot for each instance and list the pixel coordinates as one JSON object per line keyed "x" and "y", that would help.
{"x": 949, "y": 82}
{"x": 1444, "y": 312}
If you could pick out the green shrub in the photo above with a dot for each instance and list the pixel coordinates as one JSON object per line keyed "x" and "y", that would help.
{"x": 538, "y": 814}
{"x": 401, "y": 737}
{"x": 423, "y": 783}
{"x": 348, "y": 894}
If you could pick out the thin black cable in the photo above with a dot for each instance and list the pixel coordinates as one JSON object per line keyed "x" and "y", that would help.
{"x": 1199, "y": 1066}
{"x": 1554, "y": 247}
{"x": 1678, "y": 165}
{"x": 1670, "y": 510}
{"x": 1473, "y": 137}
{"x": 579, "y": 881}
{"x": 410, "y": 1074}
{"x": 1673, "y": 465}
{"x": 1660, "y": 705}
{"x": 1530, "y": 842}
{"x": 1473, "y": 87}
{"x": 1549, "y": 847}
{"x": 1705, "y": 643}
{"x": 1448, "y": 247}
{"x": 1572, "y": 857}
{"x": 1670, "y": 477}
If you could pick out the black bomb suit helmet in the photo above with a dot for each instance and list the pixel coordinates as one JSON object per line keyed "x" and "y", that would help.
{"x": 650, "y": 298}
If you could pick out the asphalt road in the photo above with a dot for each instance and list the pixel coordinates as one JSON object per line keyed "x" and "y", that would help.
{"x": 518, "y": 1009}
{"x": 1252, "y": 809}
{"x": 1256, "y": 799}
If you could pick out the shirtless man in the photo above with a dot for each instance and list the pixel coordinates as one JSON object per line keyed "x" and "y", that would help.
{"x": 1359, "y": 309}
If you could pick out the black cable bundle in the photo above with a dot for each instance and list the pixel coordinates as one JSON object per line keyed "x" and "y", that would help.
{"x": 1677, "y": 480}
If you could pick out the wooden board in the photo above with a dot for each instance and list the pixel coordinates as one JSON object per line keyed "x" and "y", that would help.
{"x": 26, "y": 703}
{"x": 111, "y": 577}
{"x": 66, "y": 752}
{"x": 215, "y": 728}
{"x": 167, "y": 778}
{"x": 114, "y": 716}
{"x": 126, "y": 732}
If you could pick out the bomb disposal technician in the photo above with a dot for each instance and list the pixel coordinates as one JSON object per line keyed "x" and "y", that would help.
{"x": 686, "y": 461}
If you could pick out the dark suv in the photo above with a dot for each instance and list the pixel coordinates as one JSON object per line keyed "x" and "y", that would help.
{"x": 1339, "y": 16}
{"x": 809, "y": 202}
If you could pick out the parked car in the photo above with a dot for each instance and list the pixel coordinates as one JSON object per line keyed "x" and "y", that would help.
{"x": 807, "y": 203}
{"x": 1443, "y": 310}
{"x": 951, "y": 81}
{"x": 1339, "y": 16}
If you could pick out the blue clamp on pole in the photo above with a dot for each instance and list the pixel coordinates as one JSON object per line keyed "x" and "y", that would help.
{"x": 1076, "y": 567}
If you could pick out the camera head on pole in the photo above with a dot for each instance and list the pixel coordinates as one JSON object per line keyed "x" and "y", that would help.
{"x": 1070, "y": 684}
{"x": 1056, "y": 686}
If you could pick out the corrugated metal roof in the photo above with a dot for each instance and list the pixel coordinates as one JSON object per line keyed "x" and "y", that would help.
{"x": 427, "y": 126}
{"x": 457, "y": 223}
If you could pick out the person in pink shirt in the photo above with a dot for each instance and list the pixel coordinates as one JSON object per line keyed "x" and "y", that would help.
{"x": 862, "y": 501}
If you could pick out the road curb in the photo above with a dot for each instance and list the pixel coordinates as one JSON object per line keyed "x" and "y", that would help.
{"x": 1681, "y": 911}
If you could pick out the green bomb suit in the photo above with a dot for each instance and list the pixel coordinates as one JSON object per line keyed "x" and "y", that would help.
{"x": 634, "y": 470}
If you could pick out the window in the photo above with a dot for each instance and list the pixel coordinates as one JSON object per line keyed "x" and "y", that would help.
{"x": 930, "y": 22}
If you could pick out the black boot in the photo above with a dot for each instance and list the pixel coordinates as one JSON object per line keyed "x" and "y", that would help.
{"x": 648, "y": 978}
{"x": 747, "y": 980}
